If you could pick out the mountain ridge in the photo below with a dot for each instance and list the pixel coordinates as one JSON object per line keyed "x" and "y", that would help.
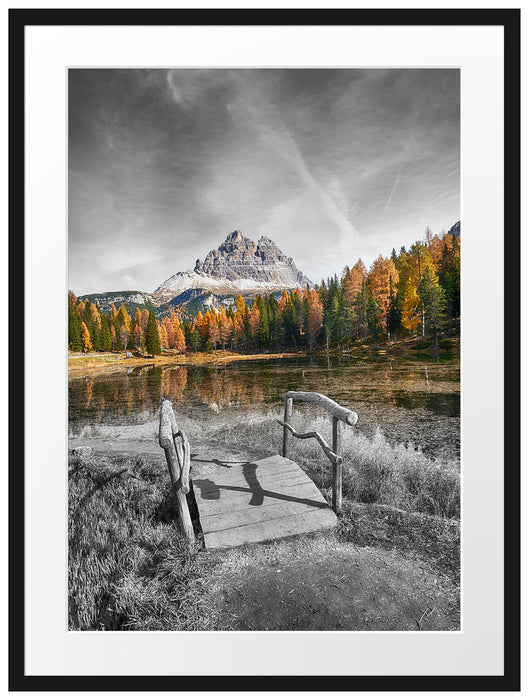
{"x": 238, "y": 265}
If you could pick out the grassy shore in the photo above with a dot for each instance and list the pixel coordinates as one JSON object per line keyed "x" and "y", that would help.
{"x": 102, "y": 362}
{"x": 96, "y": 363}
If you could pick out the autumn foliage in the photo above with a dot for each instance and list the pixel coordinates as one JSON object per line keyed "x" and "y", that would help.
{"x": 414, "y": 292}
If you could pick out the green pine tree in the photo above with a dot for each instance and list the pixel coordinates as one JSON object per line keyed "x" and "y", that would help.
{"x": 152, "y": 340}
{"x": 195, "y": 339}
{"x": 372, "y": 317}
{"x": 360, "y": 308}
{"x": 450, "y": 279}
{"x": 74, "y": 325}
{"x": 106, "y": 338}
{"x": 264, "y": 330}
{"x": 119, "y": 341}
{"x": 290, "y": 324}
{"x": 394, "y": 313}
{"x": 274, "y": 321}
{"x": 346, "y": 320}
{"x": 434, "y": 301}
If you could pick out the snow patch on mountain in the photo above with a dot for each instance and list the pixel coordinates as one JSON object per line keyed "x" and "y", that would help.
{"x": 220, "y": 285}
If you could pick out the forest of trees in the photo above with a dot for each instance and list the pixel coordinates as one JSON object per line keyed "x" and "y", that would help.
{"x": 413, "y": 292}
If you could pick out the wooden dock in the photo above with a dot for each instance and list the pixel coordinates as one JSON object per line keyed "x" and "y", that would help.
{"x": 244, "y": 502}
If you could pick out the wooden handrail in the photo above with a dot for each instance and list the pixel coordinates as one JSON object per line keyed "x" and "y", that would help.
{"x": 339, "y": 415}
{"x": 177, "y": 453}
{"x": 343, "y": 414}
{"x": 183, "y": 452}
{"x": 313, "y": 434}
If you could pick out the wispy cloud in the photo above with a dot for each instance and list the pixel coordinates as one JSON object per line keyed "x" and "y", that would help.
{"x": 406, "y": 149}
{"x": 265, "y": 121}
{"x": 388, "y": 201}
{"x": 187, "y": 87}
{"x": 332, "y": 164}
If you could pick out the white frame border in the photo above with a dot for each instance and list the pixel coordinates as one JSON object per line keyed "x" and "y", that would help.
{"x": 478, "y": 649}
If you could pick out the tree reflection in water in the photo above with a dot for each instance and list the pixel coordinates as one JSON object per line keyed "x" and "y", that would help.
{"x": 403, "y": 396}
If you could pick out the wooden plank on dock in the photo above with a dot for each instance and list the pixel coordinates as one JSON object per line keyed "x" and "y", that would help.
{"x": 249, "y": 502}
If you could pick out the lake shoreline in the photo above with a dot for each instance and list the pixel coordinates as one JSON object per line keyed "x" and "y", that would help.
{"x": 104, "y": 363}
{"x": 99, "y": 364}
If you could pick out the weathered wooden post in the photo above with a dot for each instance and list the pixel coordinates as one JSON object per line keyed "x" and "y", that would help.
{"x": 339, "y": 415}
{"x": 287, "y": 419}
{"x": 337, "y": 466}
{"x": 178, "y": 463}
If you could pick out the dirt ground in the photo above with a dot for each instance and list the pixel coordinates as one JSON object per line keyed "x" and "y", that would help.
{"x": 315, "y": 582}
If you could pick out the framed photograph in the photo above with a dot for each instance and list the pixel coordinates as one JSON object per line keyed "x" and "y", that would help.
{"x": 269, "y": 261}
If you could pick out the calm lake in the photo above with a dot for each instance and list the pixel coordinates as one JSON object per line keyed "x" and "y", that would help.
{"x": 411, "y": 400}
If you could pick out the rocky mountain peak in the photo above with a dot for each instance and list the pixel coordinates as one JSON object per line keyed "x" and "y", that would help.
{"x": 267, "y": 250}
{"x": 264, "y": 241}
{"x": 456, "y": 229}
{"x": 234, "y": 236}
{"x": 239, "y": 263}
{"x": 236, "y": 241}
{"x": 239, "y": 258}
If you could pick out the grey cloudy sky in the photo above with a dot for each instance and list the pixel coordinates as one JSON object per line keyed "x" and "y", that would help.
{"x": 332, "y": 165}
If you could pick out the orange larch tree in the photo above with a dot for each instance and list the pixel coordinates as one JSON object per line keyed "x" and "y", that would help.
{"x": 179, "y": 337}
{"x": 96, "y": 316}
{"x": 144, "y": 319}
{"x": 353, "y": 280}
{"x": 410, "y": 315}
{"x": 203, "y": 324}
{"x": 85, "y": 337}
{"x": 238, "y": 330}
{"x": 281, "y": 304}
{"x": 162, "y": 335}
{"x": 255, "y": 316}
{"x": 436, "y": 249}
{"x": 240, "y": 307}
{"x": 382, "y": 271}
{"x": 225, "y": 328}
{"x": 315, "y": 316}
{"x": 213, "y": 329}
{"x": 124, "y": 318}
{"x": 169, "y": 330}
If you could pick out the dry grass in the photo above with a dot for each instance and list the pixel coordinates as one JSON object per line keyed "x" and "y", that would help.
{"x": 428, "y": 536}
{"x": 129, "y": 567}
{"x": 374, "y": 470}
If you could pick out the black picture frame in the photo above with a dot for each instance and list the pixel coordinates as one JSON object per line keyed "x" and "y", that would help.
{"x": 509, "y": 19}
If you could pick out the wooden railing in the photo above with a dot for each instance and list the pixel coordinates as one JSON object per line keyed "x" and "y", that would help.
{"x": 339, "y": 415}
{"x": 177, "y": 452}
